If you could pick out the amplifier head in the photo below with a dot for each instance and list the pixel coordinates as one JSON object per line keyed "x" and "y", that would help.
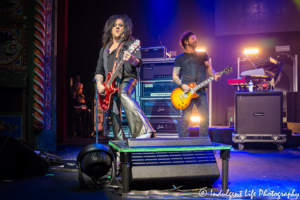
{"x": 157, "y": 71}
{"x": 158, "y": 89}
{"x": 154, "y": 52}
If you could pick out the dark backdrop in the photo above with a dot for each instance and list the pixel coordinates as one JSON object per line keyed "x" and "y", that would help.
{"x": 217, "y": 24}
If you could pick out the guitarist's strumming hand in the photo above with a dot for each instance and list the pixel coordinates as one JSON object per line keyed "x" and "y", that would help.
{"x": 100, "y": 88}
{"x": 185, "y": 88}
{"x": 99, "y": 80}
{"x": 128, "y": 57}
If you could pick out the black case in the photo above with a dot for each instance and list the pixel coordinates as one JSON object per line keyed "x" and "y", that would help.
{"x": 258, "y": 117}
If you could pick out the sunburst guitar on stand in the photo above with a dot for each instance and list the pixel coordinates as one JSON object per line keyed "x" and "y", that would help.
{"x": 182, "y": 100}
{"x": 106, "y": 98}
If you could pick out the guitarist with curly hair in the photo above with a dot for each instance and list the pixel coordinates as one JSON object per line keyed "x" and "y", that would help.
{"x": 116, "y": 40}
{"x": 193, "y": 67}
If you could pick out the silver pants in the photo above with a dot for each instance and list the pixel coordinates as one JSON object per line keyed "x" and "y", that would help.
{"x": 137, "y": 121}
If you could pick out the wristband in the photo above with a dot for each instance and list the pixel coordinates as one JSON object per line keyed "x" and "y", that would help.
{"x": 135, "y": 62}
{"x": 180, "y": 85}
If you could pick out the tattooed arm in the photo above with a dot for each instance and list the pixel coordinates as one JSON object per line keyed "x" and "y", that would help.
{"x": 99, "y": 81}
{"x": 176, "y": 78}
{"x": 99, "y": 78}
{"x": 210, "y": 71}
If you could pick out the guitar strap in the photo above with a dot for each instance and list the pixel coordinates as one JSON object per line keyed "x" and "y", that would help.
{"x": 116, "y": 59}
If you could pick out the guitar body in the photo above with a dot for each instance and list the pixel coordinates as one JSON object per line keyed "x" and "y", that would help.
{"x": 180, "y": 100}
{"x": 106, "y": 99}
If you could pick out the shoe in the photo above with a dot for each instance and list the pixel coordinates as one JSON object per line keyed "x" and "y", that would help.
{"x": 153, "y": 135}
{"x": 145, "y": 135}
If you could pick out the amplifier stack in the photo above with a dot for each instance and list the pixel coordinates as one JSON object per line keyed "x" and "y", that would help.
{"x": 155, "y": 86}
{"x": 153, "y": 92}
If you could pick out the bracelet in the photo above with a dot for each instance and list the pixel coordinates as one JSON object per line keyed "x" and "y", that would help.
{"x": 135, "y": 62}
{"x": 180, "y": 85}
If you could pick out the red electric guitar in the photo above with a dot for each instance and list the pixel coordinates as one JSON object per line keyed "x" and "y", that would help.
{"x": 106, "y": 98}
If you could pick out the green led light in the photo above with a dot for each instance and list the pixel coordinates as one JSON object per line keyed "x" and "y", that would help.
{"x": 153, "y": 149}
{"x": 49, "y": 174}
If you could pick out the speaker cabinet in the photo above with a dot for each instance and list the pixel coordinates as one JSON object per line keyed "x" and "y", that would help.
{"x": 162, "y": 169}
{"x": 18, "y": 161}
{"x": 258, "y": 113}
{"x": 293, "y": 107}
{"x": 159, "y": 107}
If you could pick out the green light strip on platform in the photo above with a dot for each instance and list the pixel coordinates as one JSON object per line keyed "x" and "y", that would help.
{"x": 134, "y": 149}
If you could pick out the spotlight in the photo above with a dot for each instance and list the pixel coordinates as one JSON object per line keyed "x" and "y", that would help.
{"x": 251, "y": 51}
{"x": 195, "y": 119}
{"x": 95, "y": 160}
{"x": 202, "y": 50}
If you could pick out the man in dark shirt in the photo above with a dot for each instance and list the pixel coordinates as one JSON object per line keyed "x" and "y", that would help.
{"x": 193, "y": 67}
{"x": 116, "y": 40}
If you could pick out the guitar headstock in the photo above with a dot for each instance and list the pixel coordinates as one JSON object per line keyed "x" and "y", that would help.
{"x": 133, "y": 47}
{"x": 227, "y": 70}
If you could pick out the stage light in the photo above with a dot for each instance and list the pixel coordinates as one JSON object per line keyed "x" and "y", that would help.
{"x": 95, "y": 160}
{"x": 251, "y": 51}
{"x": 200, "y": 50}
{"x": 195, "y": 119}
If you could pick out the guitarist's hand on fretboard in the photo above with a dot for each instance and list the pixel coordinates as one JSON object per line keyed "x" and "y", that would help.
{"x": 130, "y": 58}
{"x": 217, "y": 77}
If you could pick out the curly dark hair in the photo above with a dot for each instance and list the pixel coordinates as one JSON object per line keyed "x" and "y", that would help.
{"x": 185, "y": 36}
{"x": 107, "y": 37}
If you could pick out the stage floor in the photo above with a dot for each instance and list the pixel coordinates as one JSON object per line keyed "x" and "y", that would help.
{"x": 260, "y": 169}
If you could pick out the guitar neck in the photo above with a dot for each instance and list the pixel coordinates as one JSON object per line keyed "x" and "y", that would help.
{"x": 210, "y": 79}
{"x": 116, "y": 72}
{"x": 131, "y": 49}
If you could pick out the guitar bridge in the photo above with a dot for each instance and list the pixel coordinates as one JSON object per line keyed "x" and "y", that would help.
{"x": 184, "y": 96}
{"x": 180, "y": 97}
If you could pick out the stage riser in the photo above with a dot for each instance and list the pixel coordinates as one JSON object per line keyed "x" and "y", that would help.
{"x": 223, "y": 136}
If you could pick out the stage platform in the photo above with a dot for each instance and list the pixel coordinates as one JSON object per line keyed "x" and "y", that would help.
{"x": 254, "y": 169}
{"x": 223, "y": 135}
{"x": 168, "y": 161}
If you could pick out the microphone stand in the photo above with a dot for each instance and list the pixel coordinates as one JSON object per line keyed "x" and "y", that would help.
{"x": 248, "y": 60}
{"x": 96, "y": 97}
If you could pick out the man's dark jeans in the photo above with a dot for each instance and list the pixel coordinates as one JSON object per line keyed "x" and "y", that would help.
{"x": 202, "y": 106}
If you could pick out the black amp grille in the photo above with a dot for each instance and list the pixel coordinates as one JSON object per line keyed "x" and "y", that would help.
{"x": 172, "y": 158}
